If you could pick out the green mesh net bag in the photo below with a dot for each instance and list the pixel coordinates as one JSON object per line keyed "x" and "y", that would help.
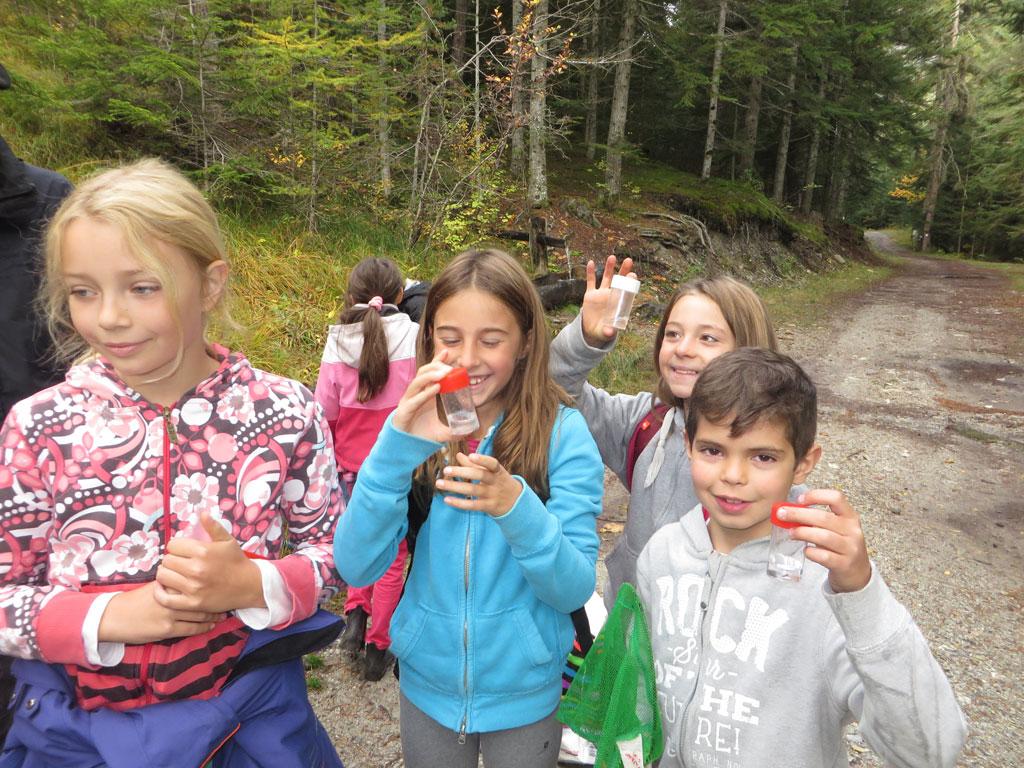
{"x": 613, "y": 699}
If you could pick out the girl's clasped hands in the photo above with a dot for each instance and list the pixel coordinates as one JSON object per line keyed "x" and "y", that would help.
{"x": 196, "y": 585}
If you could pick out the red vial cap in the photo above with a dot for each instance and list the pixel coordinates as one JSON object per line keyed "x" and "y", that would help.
{"x": 786, "y": 505}
{"x": 456, "y": 379}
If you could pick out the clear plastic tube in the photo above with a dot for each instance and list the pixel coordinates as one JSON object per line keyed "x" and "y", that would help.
{"x": 620, "y": 303}
{"x": 785, "y": 554}
{"x": 457, "y": 401}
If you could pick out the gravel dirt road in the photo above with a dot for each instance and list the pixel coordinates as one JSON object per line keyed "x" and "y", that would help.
{"x": 921, "y": 393}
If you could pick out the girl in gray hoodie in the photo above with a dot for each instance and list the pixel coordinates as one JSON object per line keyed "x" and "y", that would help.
{"x": 704, "y": 319}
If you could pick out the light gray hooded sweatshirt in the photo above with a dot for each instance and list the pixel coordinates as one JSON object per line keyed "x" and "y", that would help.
{"x": 754, "y": 672}
{"x": 662, "y": 488}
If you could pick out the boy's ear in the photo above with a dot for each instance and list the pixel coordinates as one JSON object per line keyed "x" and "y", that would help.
{"x": 215, "y": 279}
{"x": 806, "y": 464}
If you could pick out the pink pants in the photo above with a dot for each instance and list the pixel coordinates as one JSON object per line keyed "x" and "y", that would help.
{"x": 380, "y": 599}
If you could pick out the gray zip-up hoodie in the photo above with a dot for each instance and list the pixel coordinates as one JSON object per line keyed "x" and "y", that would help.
{"x": 753, "y": 672}
{"x": 662, "y": 489}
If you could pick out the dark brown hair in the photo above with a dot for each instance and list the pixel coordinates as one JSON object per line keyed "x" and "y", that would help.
{"x": 531, "y": 398}
{"x": 750, "y": 385}
{"x": 742, "y": 309}
{"x": 370, "y": 278}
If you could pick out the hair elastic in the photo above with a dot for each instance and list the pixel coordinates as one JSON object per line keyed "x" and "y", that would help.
{"x": 376, "y": 303}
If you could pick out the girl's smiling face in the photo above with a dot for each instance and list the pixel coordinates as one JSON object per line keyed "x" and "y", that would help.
{"x": 695, "y": 334}
{"x": 482, "y": 336}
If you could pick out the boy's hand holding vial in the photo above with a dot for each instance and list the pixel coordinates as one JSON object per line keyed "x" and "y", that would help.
{"x": 837, "y": 537}
{"x": 601, "y": 302}
{"x": 479, "y": 483}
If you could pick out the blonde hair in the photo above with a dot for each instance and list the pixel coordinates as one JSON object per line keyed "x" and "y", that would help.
{"x": 743, "y": 310}
{"x": 147, "y": 200}
{"x": 531, "y": 398}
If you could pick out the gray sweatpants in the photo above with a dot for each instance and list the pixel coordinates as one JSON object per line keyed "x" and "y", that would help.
{"x": 428, "y": 744}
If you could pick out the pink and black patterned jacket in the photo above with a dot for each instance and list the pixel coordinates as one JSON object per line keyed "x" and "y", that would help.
{"x": 94, "y": 481}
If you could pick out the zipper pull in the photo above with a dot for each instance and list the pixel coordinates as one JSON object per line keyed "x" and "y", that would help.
{"x": 462, "y": 731}
{"x": 172, "y": 433}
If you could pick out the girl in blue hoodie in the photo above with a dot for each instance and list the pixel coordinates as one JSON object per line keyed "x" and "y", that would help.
{"x": 509, "y": 546}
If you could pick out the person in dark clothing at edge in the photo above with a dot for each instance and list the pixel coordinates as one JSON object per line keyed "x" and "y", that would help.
{"x": 28, "y": 197}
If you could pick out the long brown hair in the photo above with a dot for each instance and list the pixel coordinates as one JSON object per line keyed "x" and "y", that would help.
{"x": 371, "y": 278}
{"x": 742, "y": 309}
{"x": 531, "y": 398}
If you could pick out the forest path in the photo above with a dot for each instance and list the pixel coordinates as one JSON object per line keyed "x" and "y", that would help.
{"x": 921, "y": 418}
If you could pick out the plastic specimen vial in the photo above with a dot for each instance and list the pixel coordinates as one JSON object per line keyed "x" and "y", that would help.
{"x": 624, "y": 290}
{"x": 457, "y": 400}
{"x": 785, "y": 554}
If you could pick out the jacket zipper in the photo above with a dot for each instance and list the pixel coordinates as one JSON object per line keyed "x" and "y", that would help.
{"x": 706, "y": 599}
{"x": 465, "y": 632}
{"x": 170, "y": 434}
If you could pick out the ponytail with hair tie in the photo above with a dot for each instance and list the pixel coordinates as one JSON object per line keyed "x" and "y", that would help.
{"x": 376, "y": 303}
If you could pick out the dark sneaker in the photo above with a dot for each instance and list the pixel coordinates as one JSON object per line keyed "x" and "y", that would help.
{"x": 376, "y": 663}
{"x": 352, "y": 637}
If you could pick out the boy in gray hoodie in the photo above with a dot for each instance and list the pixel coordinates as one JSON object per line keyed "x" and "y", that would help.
{"x": 756, "y": 672}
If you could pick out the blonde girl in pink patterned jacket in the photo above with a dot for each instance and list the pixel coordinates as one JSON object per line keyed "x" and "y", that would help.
{"x": 146, "y": 501}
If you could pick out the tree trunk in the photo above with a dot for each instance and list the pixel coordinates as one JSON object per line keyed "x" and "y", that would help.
{"x": 420, "y": 147}
{"x": 593, "y": 83}
{"x": 459, "y": 36}
{"x": 716, "y": 78}
{"x": 810, "y": 173}
{"x": 620, "y": 102}
{"x": 517, "y": 151}
{"x": 203, "y": 39}
{"x": 477, "y": 130}
{"x": 537, "y": 177}
{"x": 787, "y": 125}
{"x": 835, "y": 193}
{"x": 314, "y": 165}
{"x": 750, "y": 126}
{"x": 947, "y": 96}
{"x": 383, "y": 126}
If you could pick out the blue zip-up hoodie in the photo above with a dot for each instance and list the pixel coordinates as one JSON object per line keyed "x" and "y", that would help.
{"x": 483, "y": 628}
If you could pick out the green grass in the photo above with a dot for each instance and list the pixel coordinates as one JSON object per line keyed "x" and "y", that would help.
{"x": 288, "y": 284}
{"x": 312, "y": 661}
{"x": 629, "y": 367}
{"x": 810, "y": 298}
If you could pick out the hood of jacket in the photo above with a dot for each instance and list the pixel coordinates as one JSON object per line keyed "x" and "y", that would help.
{"x": 96, "y": 378}
{"x": 345, "y": 342}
